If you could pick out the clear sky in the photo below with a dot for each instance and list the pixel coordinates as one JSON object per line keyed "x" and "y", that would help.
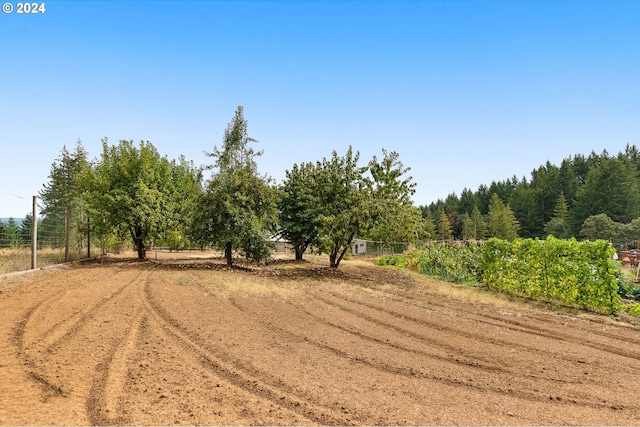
{"x": 466, "y": 91}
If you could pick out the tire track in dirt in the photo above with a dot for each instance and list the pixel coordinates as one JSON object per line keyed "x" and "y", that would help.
{"x": 37, "y": 354}
{"x": 65, "y": 329}
{"x": 108, "y": 385}
{"x": 22, "y": 329}
{"x": 453, "y": 331}
{"x": 481, "y": 339}
{"x": 513, "y": 390}
{"x": 452, "y": 359}
{"x": 48, "y": 388}
{"x": 542, "y": 331}
{"x": 438, "y": 342}
{"x": 575, "y": 396}
{"x": 630, "y": 337}
{"x": 227, "y": 367}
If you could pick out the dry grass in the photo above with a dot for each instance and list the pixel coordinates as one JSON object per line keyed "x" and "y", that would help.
{"x": 18, "y": 259}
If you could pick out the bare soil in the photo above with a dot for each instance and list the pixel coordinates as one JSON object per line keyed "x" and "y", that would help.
{"x": 190, "y": 341}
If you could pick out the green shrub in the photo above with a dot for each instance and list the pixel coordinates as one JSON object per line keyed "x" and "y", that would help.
{"x": 396, "y": 260}
{"x": 634, "y": 309}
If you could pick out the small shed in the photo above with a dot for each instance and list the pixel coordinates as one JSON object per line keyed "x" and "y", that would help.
{"x": 280, "y": 245}
{"x": 359, "y": 247}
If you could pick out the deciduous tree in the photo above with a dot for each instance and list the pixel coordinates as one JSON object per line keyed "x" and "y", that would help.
{"x": 134, "y": 191}
{"x": 394, "y": 218}
{"x": 345, "y": 197}
{"x": 238, "y": 207}
{"x": 598, "y": 227}
{"x": 299, "y": 208}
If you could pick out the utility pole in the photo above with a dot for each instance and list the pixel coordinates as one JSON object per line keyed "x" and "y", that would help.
{"x": 67, "y": 229}
{"x": 88, "y": 238}
{"x": 34, "y": 234}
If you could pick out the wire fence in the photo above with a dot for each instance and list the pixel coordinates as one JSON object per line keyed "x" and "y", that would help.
{"x": 16, "y": 243}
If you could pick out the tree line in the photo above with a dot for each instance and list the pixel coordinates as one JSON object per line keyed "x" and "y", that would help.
{"x": 132, "y": 193}
{"x": 592, "y": 197}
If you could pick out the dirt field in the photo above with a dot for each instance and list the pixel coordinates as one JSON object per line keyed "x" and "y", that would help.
{"x": 192, "y": 342}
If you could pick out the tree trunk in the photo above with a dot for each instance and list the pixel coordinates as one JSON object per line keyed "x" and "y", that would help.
{"x": 138, "y": 240}
{"x": 300, "y": 250}
{"x": 142, "y": 252}
{"x": 332, "y": 258}
{"x": 227, "y": 253}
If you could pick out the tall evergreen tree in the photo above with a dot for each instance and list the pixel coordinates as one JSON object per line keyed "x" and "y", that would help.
{"x": 558, "y": 226}
{"x": 428, "y": 225}
{"x": 25, "y": 228}
{"x": 479, "y": 224}
{"x": 611, "y": 188}
{"x": 3, "y": 235}
{"x": 526, "y": 207}
{"x": 11, "y": 233}
{"x": 444, "y": 225}
{"x": 67, "y": 189}
{"x": 467, "y": 227}
{"x": 501, "y": 222}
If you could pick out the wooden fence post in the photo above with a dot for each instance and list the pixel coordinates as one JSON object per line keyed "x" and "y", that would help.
{"x": 34, "y": 234}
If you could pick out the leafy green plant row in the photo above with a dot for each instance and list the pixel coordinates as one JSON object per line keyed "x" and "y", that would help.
{"x": 629, "y": 291}
{"x": 458, "y": 263}
{"x": 397, "y": 260}
{"x": 567, "y": 272}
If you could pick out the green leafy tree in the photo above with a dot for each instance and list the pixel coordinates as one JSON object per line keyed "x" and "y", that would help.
{"x": 501, "y": 222}
{"x": 299, "y": 208}
{"x": 598, "y": 227}
{"x": 345, "y": 196}
{"x": 393, "y": 216}
{"x": 238, "y": 207}
{"x": 185, "y": 188}
{"x": 133, "y": 191}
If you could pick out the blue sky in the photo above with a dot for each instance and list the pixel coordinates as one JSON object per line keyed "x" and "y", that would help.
{"x": 466, "y": 91}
